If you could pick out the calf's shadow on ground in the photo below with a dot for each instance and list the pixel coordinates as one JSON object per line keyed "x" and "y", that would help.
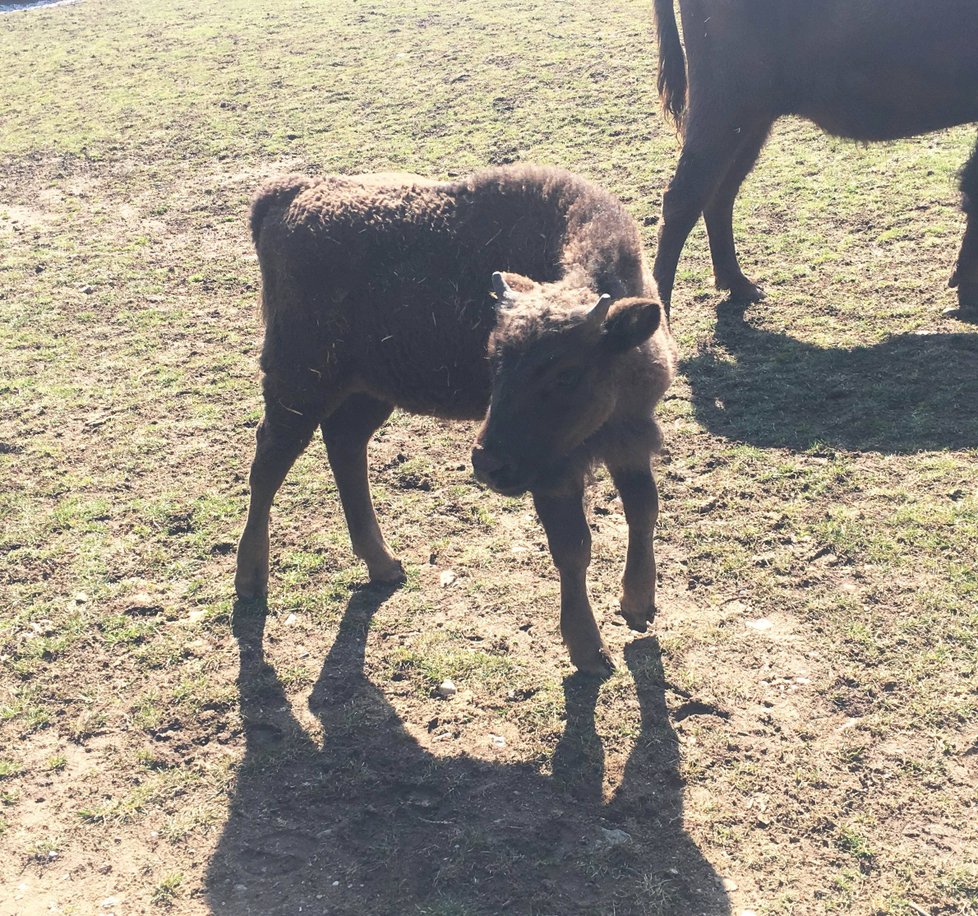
{"x": 909, "y": 393}
{"x": 368, "y": 821}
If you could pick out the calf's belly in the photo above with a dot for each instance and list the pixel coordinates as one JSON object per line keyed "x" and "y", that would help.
{"x": 428, "y": 376}
{"x": 437, "y": 395}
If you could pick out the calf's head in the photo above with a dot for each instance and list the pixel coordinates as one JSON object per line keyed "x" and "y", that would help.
{"x": 558, "y": 362}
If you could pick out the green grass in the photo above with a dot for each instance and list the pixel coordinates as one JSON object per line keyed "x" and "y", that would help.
{"x": 167, "y": 890}
{"x": 819, "y": 478}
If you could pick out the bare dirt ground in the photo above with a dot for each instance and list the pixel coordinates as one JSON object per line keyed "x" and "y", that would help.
{"x": 799, "y": 735}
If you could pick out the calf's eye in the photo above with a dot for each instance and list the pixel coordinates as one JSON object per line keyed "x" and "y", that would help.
{"x": 568, "y": 378}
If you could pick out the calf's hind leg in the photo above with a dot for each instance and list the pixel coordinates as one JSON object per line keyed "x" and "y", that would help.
{"x": 281, "y": 437}
{"x": 346, "y": 433}
{"x": 569, "y": 537}
{"x": 965, "y": 276}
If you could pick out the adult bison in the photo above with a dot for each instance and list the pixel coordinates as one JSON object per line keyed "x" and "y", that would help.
{"x": 384, "y": 291}
{"x": 867, "y": 70}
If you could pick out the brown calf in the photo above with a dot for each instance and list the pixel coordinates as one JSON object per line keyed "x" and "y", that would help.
{"x": 519, "y": 291}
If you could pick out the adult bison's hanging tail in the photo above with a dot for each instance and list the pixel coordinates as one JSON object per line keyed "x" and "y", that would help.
{"x": 672, "y": 62}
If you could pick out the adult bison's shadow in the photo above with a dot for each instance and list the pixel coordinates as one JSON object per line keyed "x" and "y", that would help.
{"x": 910, "y": 392}
{"x": 370, "y": 822}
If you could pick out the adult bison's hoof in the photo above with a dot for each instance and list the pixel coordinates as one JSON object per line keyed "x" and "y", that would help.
{"x": 967, "y": 309}
{"x": 968, "y": 315}
{"x": 741, "y": 290}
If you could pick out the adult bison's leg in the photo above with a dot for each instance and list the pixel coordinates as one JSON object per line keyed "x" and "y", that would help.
{"x": 281, "y": 437}
{"x": 569, "y": 538}
{"x": 640, "y": 499}
{"x": 707, "y": 155}
{"x": 965, "y": 276}
{"x": 346, "y": 433}
{"x": 718, "y": 215}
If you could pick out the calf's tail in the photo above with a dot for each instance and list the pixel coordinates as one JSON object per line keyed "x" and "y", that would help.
{"x": 276, "y": 195}
{"x": 672, "y": 63}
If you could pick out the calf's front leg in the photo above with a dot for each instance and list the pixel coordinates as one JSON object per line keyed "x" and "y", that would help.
{"x": 569, "y": 538}
{"x": 640, "y": 500}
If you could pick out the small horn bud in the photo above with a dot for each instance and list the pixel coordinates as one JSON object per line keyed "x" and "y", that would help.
{"x": 500, "y": 287}
{"x": 598, "y": 314}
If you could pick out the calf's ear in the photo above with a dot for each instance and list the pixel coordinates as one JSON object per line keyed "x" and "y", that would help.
{"x": 629, "y": 323}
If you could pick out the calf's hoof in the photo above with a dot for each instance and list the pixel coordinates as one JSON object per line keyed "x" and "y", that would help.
{"x": 597, "y": 663}
{"x": 391, "y": 573}
{"x": 251, "y": 572}
{"x": 638, "y": 614}
{"x": 251, "y": 584}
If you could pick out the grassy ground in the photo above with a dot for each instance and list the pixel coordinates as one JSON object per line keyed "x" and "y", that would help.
{"x": 800, "y": 735}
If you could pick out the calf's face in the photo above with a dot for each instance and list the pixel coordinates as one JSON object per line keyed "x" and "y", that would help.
{"x": 554, "y": 355}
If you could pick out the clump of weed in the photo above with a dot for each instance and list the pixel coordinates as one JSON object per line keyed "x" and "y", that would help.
{"x": 43, "y": 851}
{"x": 851, "y": 841}
{"x": 165, "y": 893}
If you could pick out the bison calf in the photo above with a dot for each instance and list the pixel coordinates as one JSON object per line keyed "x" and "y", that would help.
{"x": 519, "y": 295}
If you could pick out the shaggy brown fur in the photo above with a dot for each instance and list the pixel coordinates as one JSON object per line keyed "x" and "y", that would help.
{"x": 377, "y": 292}
{"x": 872, "y": 70}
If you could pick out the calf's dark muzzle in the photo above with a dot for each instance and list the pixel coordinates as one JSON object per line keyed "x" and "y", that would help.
{"x": 498, "y": 474}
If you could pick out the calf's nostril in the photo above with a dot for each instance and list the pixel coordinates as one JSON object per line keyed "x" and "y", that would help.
{"x": 485, "y": 462}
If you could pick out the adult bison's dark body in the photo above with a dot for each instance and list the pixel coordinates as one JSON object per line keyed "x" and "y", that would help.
{"x": 384, "y": 291}
{"x": 867, "y": 70}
